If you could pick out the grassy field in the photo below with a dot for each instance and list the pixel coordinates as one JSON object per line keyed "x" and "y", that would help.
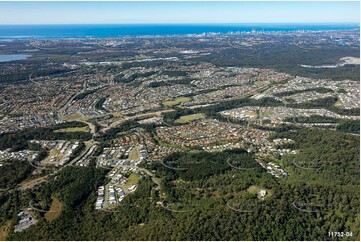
{"x": 117, "y": 115}
{"x": 72, "y": 116}
{"x": 55, "y": 210}
{"x": 266, "y": 113}
{"x": 131, "y": 180}
{"x": 4, "y": 234}
{"x": 53, "y": 152}
{"x": 251, "y": 113}
{"x": 176, "y": 101}
{"x": 339, "y": 104}
{"x": 157, "y": 180}
{"x": 71, "y": 130}
{"x": 261, "y": 83}
{"x": 86, "y": 118}
{"x": 134, "y": 154}
{"x": 189, "y": 118}
{"x": 257, "y": 189}
{"x": 254, "y": 189}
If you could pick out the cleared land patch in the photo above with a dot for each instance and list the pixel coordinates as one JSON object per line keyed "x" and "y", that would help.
{"x": 250, "y": 113}
{"x": 189, "y": 118}
{"x": 53, "y": 153}
{"x": 55, "y": 210}
{"x": 266, "y": 113}
{"x": 261, "y": 83}
{"x": 71, "y": 130}
{"x": 117, "y": 115}
{"x": 176, "y": 101}
{"x": 134, "y": 154}
{"x": 339, "y": 104}
{"x": 4, "y": 230}
{"x": 256, "y": 190}
{"x": 72, "y": 116}
{"x": 131, "y": 180}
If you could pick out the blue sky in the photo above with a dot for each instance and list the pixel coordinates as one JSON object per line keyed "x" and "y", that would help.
{"x": 177, "y": 12}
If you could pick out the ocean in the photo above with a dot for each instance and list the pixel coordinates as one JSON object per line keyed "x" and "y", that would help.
{"x": 8, "y": 32}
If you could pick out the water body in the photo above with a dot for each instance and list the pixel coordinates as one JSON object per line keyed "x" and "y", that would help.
{"x": 117, "y": 30}
{"x": 14, "y": 57}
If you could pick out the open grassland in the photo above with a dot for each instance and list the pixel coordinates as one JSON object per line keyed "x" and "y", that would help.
{"x": 117, "y": 115}
{"x": 250, "y": 113}
{"x": 189, "y": 118}
{"x": 261, "y": 83}
{"x": 4, "y": 230}
{"x": 254, "y": 189}
{"x": 53, "y": 152}
{"x": 338, "y": 104}
{"x": 176, "y": 101}
{"x": 71, "y": 130}
{"x": 55, "y": 210}
{"x": 257, "y": 189}
{"x": 72, "y": 116}
{"x": 86, "y": 118}
{"x": 134, "y": 154}
{"x": 131, "y": 180}
{"x": 267, "y": 113}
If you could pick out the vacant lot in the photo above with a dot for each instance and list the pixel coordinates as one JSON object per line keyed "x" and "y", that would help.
{"x": 189, "y": 118}
{"x": 72, "y": 116}
{"x": 250, "y": 113}
{"x": 257, "y": 189}
{"x": 71, "y": 130}
{"x": 266, "y": 113}
{"x": 176, "y": 101}
{"x": 339, "y": 104}
{"x": 117, "y": 115}
{"x": 4, "y": 230}
{"x": 134, "y": 154}
{"x": 131, "y": 180}
{"x": 55, "y": 210}
{"x": 53, "y": 152}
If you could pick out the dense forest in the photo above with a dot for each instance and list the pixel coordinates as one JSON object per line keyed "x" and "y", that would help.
{"x": 352, "y": 126}
{"x": 13, "y": 172}
{"x": 287, "y": 58}
{"x": 218, "y": 201}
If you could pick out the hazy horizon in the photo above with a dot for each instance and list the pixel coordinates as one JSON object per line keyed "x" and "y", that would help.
{"x": 25, "y": 13}
{"x": 195, "y": 23}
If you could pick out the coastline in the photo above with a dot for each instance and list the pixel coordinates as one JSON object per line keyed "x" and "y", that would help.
{"x": 76, "y": 31}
